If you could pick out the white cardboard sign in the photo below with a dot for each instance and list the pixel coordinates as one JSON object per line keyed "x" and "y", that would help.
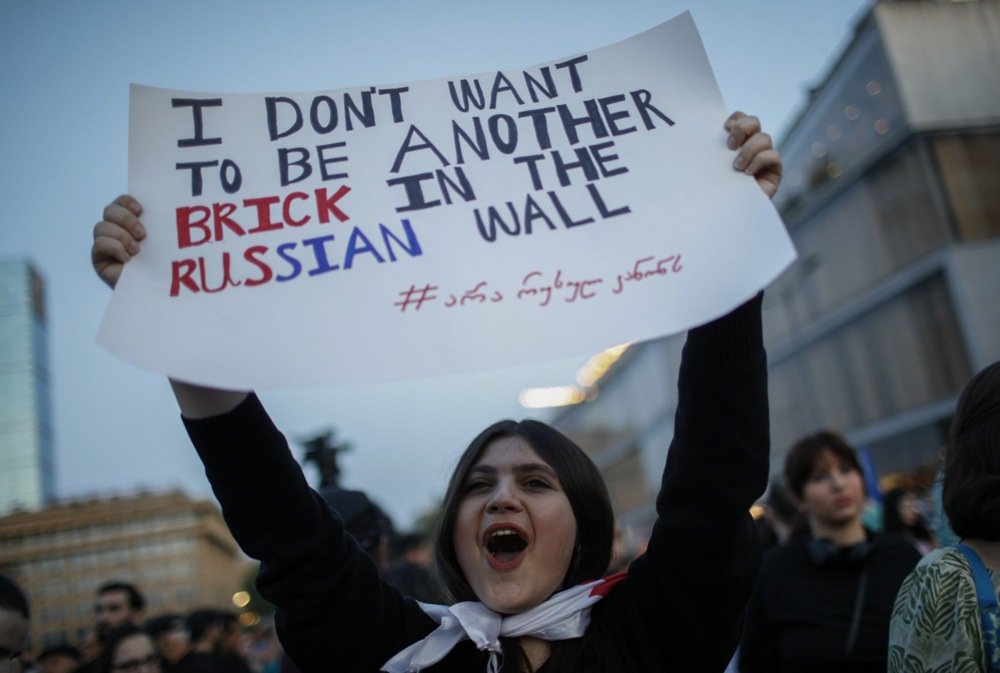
{"x": 392, "y": 232}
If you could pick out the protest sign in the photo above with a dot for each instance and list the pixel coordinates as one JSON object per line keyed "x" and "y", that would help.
{"x": 390, "y": 232}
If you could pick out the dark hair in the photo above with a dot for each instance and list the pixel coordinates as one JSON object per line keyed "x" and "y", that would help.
{"x": 201, "y": 620}
{"x": 971, "y": 489}
{"x": 362, "y": 518}
{"x": 64, "y": 650}
{"x": 581, "y": 481}
{"x": 161, "y": 624}
{"x": 125, "y": 631}
{"x": 801, "y": 458}
{"x": 135, "y": 599}
{"x": 779, "y": 502}
{"x": 893, "y": 522}
{"x": 12, "y": 598}
{"x": 891, "y": 519}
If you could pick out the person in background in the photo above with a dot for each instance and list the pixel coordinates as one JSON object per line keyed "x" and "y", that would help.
{"x": 942, "y": 620}
{"x": 823, "y": 600}
{"x": 173, "y": 641}
{"x": 780, "y": 517}
{"x": 117, "y": 605}
{"x": 411, "y": 570}
{"x": 234, "y": 645}
{"x": 59, "y": 659}
{"x": 206, "y": 629}
{"x": 129, "y": 649}
{"x": 15, "y": 620}
{"x": 901, "y": 514}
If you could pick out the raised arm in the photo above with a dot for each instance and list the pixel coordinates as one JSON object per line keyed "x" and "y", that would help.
{"x": 117, "y": 239}
{"x": 692, "y": 586}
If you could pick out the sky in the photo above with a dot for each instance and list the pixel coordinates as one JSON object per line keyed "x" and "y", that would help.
{"x": 65, "y": 73}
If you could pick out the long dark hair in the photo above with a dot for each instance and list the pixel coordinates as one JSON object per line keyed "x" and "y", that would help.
{"x": 581, "y": 481}
{"x": 588, "y": 497}
{"x": 971, "y": 489}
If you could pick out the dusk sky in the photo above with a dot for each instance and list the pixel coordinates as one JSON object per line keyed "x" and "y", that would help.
{"x": 66, "y": 72}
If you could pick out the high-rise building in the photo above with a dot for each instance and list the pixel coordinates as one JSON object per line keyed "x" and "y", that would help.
{"x": 26, "y": 443}
{"x": 890, "y": 195}
{"x": 175, "y": 550}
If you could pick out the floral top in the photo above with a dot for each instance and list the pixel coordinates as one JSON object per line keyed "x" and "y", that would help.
{"x": 935, "y": 624}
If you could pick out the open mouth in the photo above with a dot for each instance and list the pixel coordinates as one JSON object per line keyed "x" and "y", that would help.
{"x": 504, "y": 545}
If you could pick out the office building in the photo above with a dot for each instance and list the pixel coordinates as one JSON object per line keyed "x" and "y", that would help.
{"x": 890, "y": 195}
{"x": 176, "y": 550}
{"x": 26, "y": 442}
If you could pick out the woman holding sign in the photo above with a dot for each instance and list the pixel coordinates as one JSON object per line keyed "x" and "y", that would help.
{"x": 526, "y": 528}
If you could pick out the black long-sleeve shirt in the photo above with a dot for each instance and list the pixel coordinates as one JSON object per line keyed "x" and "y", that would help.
{"x": 680, "y": 608}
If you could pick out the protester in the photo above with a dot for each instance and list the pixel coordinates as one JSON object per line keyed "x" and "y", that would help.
{"x": 526, "y": 518}
{"x": 234, "y": 646}
{"x": 173, "y": 641}
{"x": 901, "y": 514}
{"x": 90, "y": 649}
{"x": 823, "y": 599}
{"x": 779, "y": 519}
{"x": 206, "y": 629}
{"x": 118, "y": 603}
{"x": 362, "y": 519}
{"x": 59, "y": 659}
{"x": 939, "y": 622}
{"x": 15, "y": 620}
{"x": 129, "y": 649}
{"x": 411, "y": 572}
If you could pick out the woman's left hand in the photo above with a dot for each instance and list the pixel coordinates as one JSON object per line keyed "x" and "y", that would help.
{"x": 756, "y": 155}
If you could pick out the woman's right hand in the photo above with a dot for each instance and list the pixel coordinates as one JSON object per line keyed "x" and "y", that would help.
{"x": 116, "y": 238}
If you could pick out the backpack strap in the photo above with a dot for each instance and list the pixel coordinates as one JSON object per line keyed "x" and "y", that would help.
{"x": 989, "y": 611}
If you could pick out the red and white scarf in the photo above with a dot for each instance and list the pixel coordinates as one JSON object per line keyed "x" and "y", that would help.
{"x": 564, "y": 615}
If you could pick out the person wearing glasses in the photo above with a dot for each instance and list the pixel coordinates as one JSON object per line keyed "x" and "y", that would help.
{"x": 130, "y": 650}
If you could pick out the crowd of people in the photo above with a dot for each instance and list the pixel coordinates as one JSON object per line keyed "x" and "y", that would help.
{"x": 124, "y": 639}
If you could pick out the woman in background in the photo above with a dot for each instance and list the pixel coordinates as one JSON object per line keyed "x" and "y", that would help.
{"x": 824, "y": 598}
{"x": 901, "y": 515}
{"x": 938, "y": 623}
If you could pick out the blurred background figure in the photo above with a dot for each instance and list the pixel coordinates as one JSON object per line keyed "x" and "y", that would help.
{"x": 823, "y": 599}
{"x": 940, "y": 621}
{"x": 265, "y": 653}
{"x": 627, "y": 546}
{"x": 234, "y": 648}
{"x": 779, "y": 518}
{"x": 14, "y": 623}
{"x": 901, "y": 514}
{"x": 117, "y": 604}
{"x": 363, "y": 519}
{"x": 129, "y": 649}
{"x": 206, "y": 629}
{"x": 173, "y": 641}
{"x": 59, "y": 659}
{"x": 411, "y": 570}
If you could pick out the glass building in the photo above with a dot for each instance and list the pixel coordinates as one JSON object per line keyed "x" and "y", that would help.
{"x": 890, "y": 196}
{"x": 26, "y": 446}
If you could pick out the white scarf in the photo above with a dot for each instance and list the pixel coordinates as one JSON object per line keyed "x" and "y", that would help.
{"x": 564, "y": 615}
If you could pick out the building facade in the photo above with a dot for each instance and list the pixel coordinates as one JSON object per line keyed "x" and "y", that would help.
{"x": 27, "y": 474}
{"x": 176, "y": 550}
{"x": 890, "y": 195}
